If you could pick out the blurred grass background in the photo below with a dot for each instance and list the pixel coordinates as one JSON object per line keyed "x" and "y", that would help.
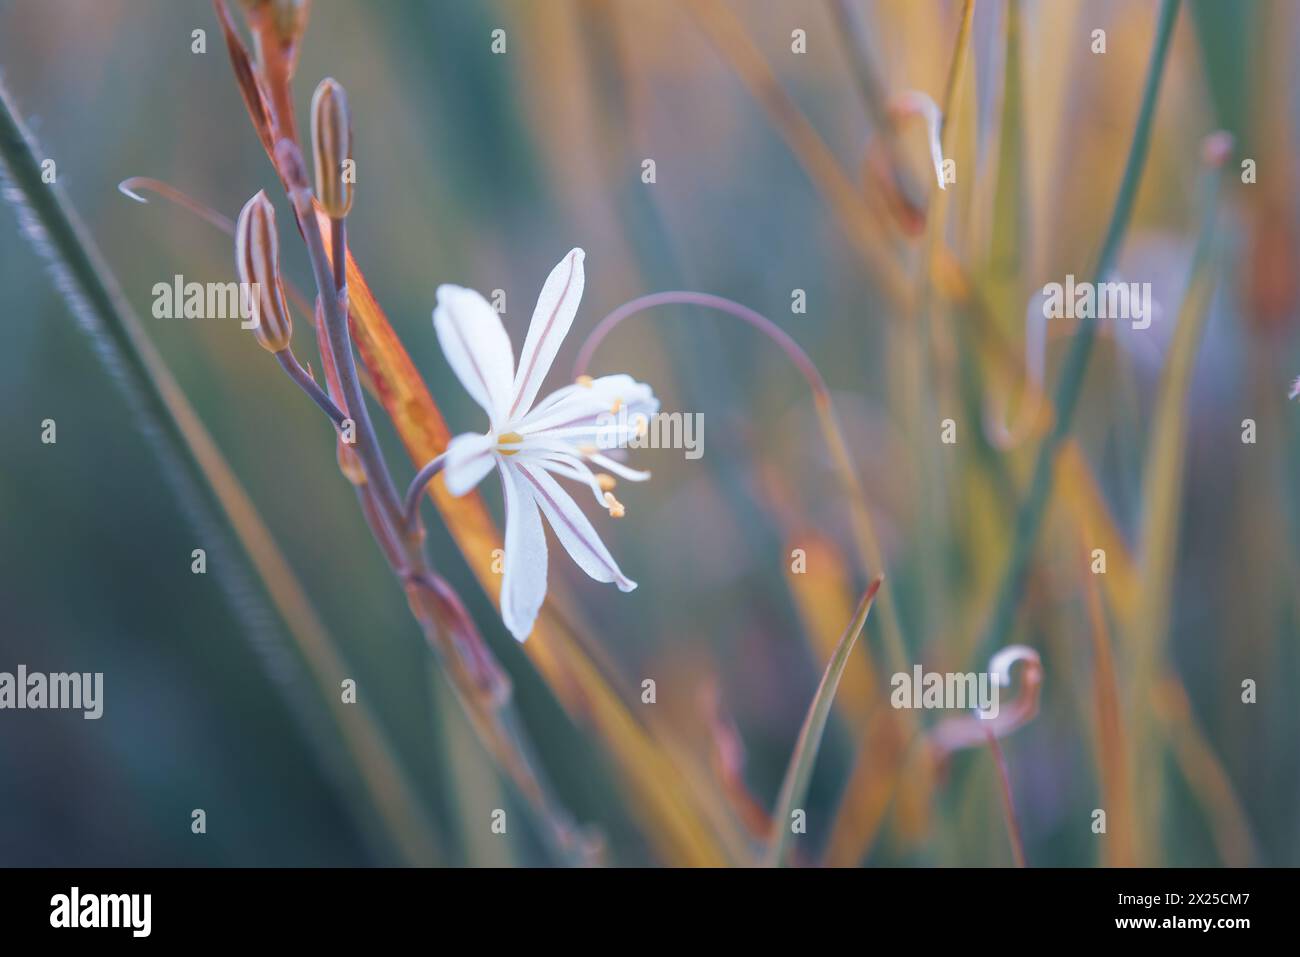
{"x": 483, "y": 170}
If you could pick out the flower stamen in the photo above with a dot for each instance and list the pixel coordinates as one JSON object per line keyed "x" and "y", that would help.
{"x": 508, "y": 438}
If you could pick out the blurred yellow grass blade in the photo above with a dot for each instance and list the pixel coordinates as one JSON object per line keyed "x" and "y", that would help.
{"x": 1112, "y": 752}
{"x": 952, "y": 87}
{"x": 881, "y": 759}
{"x": 1005, "y": 261}
{"x": 794, "y": 788}
{"x": 1007, "y": 240}
{"x": 651, "y": 779}
{"x": 1205, "y": 776}
{"x": 1080, "y": 494}
{"x": 824, "y": 602}
{"x": 1081, "y": 498}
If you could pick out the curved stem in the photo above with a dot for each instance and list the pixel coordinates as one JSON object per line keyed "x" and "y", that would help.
{"x": 864, "y": 537}
{"x": 133, "y": 184}
{"x": 290, "y": 364}
{"x": 416, "y": 489}
{"x": 130, "y": 185}
{"x": 686, "y": 298}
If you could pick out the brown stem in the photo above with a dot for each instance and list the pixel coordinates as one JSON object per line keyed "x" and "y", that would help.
{"x": 1008, "y": 802}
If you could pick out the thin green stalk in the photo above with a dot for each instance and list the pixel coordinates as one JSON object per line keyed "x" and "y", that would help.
{"x": 799, "y": 773}
{"x": 1030, "y": 517}
{"x": 213, "y": 500}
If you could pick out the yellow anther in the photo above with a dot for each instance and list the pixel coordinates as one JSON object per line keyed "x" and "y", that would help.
{"x": 585, "y": 381}
{"x": 587, "y": 450}
{"x": 618, "y": 404}
{"x": 616, "y": 509}
{"x": 606, "y": 482}
{"x": 508, "y": 438}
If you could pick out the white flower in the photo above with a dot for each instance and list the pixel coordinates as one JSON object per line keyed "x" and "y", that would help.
{"x": 530, "y": 443}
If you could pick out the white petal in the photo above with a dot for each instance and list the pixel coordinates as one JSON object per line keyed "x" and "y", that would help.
{"x": 571, "y": 467}
{"x": 556, "y": 307}
{"x": 606, "y": 386}
{"x": 523, "y": 587}
{"x": 477, "y": 348}
{"x": 573, "y": 530}
{"x": 618, "y": 468}
{"x": 469, "y": 458}
{"x": 607, "y": 414}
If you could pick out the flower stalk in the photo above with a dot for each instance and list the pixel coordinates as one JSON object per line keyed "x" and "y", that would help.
{"x": 865, "y": 539}
{"x": 290, "y": 364}
{"x": 480, "y": 683}
{"x": 333, "y": 300}
{"x": 415, "y": 491}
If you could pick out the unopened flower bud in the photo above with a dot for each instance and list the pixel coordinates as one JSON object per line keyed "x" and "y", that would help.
{"x": 331, "y": 138}
{"x": 287, "y": 18}
{"x": 290, "y": 18}
{"x": 257, "y": 259}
